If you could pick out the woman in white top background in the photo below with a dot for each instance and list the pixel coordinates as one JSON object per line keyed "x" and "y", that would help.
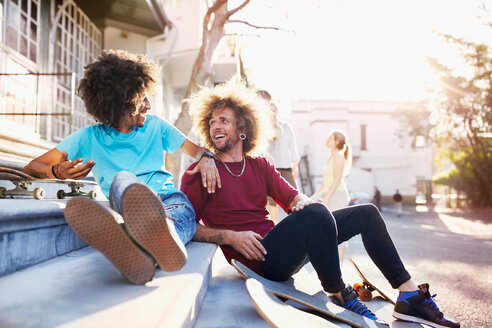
{"x": 333, "y": 192}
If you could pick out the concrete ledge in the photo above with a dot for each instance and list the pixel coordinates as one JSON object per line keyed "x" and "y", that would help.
{"x": 227, "y": 303}
{"x": 83, "y": 289}
{"x": 33, "y": 231}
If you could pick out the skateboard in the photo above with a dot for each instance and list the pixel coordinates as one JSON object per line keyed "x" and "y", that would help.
{"x": 277, "y": 313}
{"x": 317, "y": 304}
{"x": 366, "y": 288}
{"x": 22, "y": 181}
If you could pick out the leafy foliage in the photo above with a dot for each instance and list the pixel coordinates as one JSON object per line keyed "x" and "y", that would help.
{"x": 459, "y": 119}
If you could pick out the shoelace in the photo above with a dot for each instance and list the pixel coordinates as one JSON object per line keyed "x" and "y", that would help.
{"x": 433, "y": 305}
{"x": 358, "y": 307}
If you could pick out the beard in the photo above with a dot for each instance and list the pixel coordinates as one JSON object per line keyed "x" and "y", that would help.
{"x": 227, "y": 146}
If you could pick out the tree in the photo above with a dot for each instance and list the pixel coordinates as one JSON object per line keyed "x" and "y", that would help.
{"x": 214, "y": 21}
{"x": 460, "y": 121}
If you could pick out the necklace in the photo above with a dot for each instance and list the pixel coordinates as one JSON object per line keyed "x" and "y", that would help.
{"x": 229, "y": 170}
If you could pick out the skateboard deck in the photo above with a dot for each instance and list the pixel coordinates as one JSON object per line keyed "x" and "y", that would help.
{"x": 381, "y": 305}
{"x": 324, "y": 307}
{"x": 277, "y": 313}
{"x": 22, "y": 181}
{"x": 366, "y": 288}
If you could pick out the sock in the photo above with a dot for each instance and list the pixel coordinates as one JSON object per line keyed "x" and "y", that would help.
{"x": 404, "y": 295}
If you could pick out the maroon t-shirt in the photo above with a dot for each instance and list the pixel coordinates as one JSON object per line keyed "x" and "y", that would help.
{"x": 241, "y": 203}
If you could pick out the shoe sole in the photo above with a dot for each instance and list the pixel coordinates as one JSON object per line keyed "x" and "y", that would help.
{"x": 96, "y": 225}
{"x": 405, "y": 317}
{"x": 147, "y": 223}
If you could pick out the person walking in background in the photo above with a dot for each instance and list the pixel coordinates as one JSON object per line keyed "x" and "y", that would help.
{"x": 398, "y": 202}
{"x": 377, "y": 198}
{"x": 282, "y": 151}
{"x": 333, "y": 192}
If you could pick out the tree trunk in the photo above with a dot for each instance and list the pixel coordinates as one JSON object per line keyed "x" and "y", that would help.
{"x": 213, "y": 31}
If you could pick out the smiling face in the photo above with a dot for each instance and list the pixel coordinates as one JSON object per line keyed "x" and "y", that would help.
{"x": 137, "y": 118}
{"x": 223, "y": 130}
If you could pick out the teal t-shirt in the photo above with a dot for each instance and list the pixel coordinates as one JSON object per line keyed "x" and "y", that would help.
{"x": 140, "y": 152}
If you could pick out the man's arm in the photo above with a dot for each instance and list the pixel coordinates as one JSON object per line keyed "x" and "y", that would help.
{"x": 54, "y": 164}
{"x": 245, "y": 242}
{"x": 206, "y": 165}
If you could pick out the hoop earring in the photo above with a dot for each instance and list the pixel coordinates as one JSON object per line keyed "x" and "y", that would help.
{"x": 242, "y": 136}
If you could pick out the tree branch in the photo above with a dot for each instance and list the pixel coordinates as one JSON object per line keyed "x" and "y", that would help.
{"x": 241, "y": 6}
{"x": 242, "y": 34}
{"x": 260, "y": 27}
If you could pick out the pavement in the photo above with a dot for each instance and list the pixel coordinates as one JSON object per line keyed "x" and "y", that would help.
{"x": 447, "y": 248}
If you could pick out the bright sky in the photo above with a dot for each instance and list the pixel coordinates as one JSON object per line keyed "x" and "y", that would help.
{"x": 353, "y": 49}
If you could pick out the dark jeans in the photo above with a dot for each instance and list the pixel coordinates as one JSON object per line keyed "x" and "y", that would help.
{"x": 311, "y": 235}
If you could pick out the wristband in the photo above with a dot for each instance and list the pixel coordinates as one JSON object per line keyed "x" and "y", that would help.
{"x": 54, "y": 169}
{"x": 208, "y": 154}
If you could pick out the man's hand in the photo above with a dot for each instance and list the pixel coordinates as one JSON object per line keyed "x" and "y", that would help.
{"x": 248, "y": 244}
{"x": 209, "y": 173}
{"x": 300, "y": 201}
{"x": 66, "y": 169}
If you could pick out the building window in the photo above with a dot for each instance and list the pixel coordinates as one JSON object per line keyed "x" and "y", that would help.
{"x": 419, "y": 141}
{"x": 78, "y": 42}
{"x": 1, "y": 20}
{"x": 22, "y": 27}
{"x": 363, "y": 140}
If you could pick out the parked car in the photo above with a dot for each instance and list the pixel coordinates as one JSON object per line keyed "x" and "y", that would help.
{"x": 359, "y": 197}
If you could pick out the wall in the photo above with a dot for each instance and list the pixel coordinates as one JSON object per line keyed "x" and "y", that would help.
{"x": 388, "y": 163}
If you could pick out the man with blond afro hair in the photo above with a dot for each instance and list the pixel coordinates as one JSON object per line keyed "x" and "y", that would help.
{"x": 234, "y": 123}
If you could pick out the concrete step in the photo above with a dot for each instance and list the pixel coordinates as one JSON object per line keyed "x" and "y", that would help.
{"x": 83, "y": 289}
{"x": 227, "y": 303}
{"x": 33, "y": 231}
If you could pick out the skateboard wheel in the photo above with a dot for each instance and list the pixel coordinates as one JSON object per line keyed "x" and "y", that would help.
{"x": 365, "y": 295}
{"x": 358, "y": 287}
{"x": 38, "y": 193}
{"x": 2, "y": 192}
{"x": 60, "y": 194}
{"x": 92, "y": 194}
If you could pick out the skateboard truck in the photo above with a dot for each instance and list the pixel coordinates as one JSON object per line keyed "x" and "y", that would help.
{"x": 61, "y": 194}
{"x": 22, "y": 189}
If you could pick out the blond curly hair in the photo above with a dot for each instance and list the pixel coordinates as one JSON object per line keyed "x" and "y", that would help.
{"x": 252, "y": 114}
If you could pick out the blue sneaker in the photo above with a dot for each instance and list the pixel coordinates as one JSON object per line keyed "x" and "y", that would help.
{"x": 420, "y": 307}
{"x": 354, "y": 304}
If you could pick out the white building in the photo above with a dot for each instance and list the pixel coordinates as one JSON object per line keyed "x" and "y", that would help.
{"x": 380, "y": 157}
{"x": 44, "y": 45}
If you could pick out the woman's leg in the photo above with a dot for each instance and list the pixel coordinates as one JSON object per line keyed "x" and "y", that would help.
{"x": 367, "y": 221}
{"x": 310, "y": 234}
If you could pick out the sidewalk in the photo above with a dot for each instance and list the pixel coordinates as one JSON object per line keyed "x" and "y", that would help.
{"x": 475, "y": 222}
{"x": 478, "y": 214}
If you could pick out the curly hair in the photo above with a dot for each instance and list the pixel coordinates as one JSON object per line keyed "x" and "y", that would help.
{"x": 252, "y": 114}
{"x": 114, "y": 85}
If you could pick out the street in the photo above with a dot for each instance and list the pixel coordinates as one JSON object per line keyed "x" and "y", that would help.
{"x": 450, "y": 250}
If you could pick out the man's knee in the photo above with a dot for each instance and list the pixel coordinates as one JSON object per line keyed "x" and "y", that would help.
{"x": 319, "y": 217}
{"x": 125, "y": 176}
{"x": 370, "y": 213}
